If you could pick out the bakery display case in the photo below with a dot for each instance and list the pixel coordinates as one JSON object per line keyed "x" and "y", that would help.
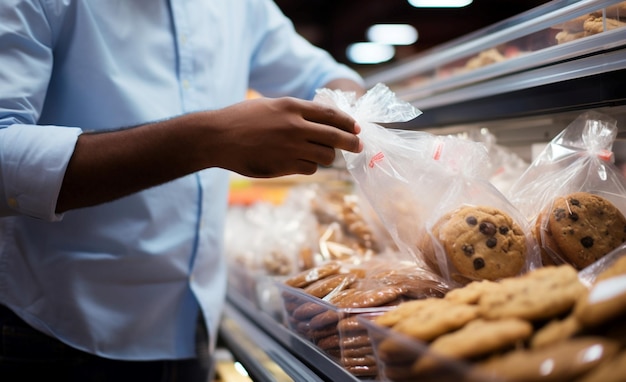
{"x": 523, "y": 80}
{"x": 519, "y": 67}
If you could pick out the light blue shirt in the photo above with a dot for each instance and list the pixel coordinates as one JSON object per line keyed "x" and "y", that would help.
{"x": 126, "y": 279}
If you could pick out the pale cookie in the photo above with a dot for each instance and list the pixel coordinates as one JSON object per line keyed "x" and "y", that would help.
{"x": 573, "y": 25}
{"x": 565, "y": 36}
{"x": 471, "y": 293}
{"x": 433, "y": 320}
{"x": 483, "y": 242}
{"x": 585, "y": 227}
{"x": 555, "y": 331}
{"x": 540, "y": 294}
{"x": 566, "y": 360}
{"x": 595, "y": 25}
{"x": 405, "y": 310}
{"x": 477, "y": 338}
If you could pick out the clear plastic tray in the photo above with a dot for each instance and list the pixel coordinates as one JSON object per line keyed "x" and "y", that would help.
{"x": 336, "y": 331}
{"x": 397, "y": 354}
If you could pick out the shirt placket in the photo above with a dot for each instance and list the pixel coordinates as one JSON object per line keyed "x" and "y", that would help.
{"x": 185, "y": 54}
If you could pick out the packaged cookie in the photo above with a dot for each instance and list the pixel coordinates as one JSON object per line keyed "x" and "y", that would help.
{"x": 412, "y": 178}
{"x": 388, "y": 170}
{"x": 573, "y": 194}
{"x": 322, "y": 304}
{"x": 545, "y": 325}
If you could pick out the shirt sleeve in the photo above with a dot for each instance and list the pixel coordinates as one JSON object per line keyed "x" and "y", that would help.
{"x": 33, "y": 158}
{"x": 285, "y": 63}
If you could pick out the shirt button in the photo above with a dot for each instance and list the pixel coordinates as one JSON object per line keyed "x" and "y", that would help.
{"x": 185, "y": 84}
{"x": 12, "y": 202}
{"x": 183, "y": 39}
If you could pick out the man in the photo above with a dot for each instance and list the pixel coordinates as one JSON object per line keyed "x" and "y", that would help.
{"x": 118, "y": 122}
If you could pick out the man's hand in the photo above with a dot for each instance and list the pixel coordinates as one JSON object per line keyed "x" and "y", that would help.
{"x": 274, "y": 137}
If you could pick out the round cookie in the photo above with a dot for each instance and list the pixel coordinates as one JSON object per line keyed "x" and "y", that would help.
{"x": 566, "y": 359}
{"x": 555, "y": 331}
{"x": 323, "y": 287}
{"x": 535, "y": 296}
{"x": 606, "y": 300}
{"x": 595, "y": 25}
{"x": 585, "y": 227}
{"x": 309, "y": 276}
{"x": 477, "y": 338}
{"x": 483, "y": 242}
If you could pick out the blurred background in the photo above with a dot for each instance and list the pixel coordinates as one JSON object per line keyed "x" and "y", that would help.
{"x": 336, "y": 25}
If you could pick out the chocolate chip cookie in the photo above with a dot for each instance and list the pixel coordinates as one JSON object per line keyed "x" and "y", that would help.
{"x": 585, "y": 227}
{"x": 483, "y": 242}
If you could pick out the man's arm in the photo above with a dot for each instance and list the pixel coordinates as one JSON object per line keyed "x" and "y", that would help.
{"x": 258, "y": 138}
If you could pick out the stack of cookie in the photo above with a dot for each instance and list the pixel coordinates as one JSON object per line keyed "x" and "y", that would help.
{"x": 579, "y": 229}
{"x": 543, "y": 326}
{"x": 322, "y": 305}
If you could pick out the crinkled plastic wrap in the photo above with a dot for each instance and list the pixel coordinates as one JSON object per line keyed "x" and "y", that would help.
{"x": 411, "y": 178}
{"x": 578, "y": 161}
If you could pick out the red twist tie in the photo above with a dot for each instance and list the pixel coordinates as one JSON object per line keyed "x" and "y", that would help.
{"x": 438, "y": 151}
{"x": 376, "y": 158}
{"x": 605, "y": 155}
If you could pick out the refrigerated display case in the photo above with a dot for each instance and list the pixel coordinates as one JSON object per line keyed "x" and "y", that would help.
{"x": 524, "y": 79}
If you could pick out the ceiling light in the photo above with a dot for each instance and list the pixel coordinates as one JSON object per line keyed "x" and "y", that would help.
{"x": 439, "y": 3}
{"x": 392, "y": 34}
{"x": 370, "y": 52}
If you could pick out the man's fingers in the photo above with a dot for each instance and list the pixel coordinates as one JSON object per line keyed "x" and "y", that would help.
{"x": 331, "y": 116}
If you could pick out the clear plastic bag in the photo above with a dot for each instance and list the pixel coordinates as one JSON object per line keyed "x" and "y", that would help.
{"x": 411, "y": 178}
{"x": 578, "y": 161}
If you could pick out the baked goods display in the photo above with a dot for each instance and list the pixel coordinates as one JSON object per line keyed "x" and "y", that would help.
{"x": 484, "y": 58}
{"x": 494, "y": 291}
{"x": 593, "y": 23}
{"x": 506, "y": 330}
{"x": 579, "y": 229}
{"x": 312, "y": 226}
{"x": 322, "y": 305}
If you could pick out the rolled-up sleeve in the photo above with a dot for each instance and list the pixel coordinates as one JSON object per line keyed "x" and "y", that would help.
{"x": 33, "y": 158}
